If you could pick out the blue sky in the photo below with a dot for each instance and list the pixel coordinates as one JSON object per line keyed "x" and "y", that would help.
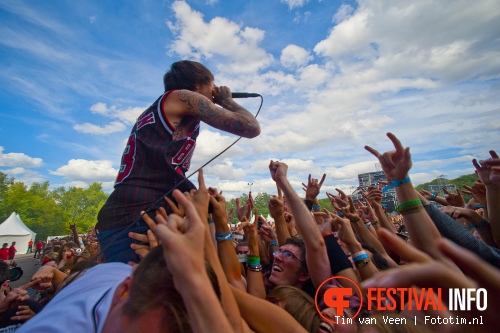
{"x": 335, "y": 76}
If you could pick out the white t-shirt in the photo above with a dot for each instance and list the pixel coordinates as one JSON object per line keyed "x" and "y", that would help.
{"x": 83, "y": 305}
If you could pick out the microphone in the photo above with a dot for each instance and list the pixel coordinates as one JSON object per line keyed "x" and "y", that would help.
{"x": 243, "y": 95}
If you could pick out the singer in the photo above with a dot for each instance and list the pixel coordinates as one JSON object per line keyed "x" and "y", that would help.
{"x": 159, "y": 151}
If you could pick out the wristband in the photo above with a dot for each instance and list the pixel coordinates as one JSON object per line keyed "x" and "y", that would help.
{"x": 356, "y": 220}
{"x": 274, "y": 243}
{"x": 481, "y": 224}
{"x": 358, "y": 253}
{"x": 360, "y": 257}
{"x": 316, "y": 207}
{"x": 433, "y": 196}
{"x": 309, "y": 204}
{"x": 368, "y": 224}
{"x": 375, "y": 222}
{"x": 408, "y": 204}
{"x": 396, "y": 183}
{"x": 223, "y": 237}
{"x": 253, "y": 260}
{"x": 211, "y": 222}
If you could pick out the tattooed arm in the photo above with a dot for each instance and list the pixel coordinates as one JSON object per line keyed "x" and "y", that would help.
{"x": 229, "y": 116}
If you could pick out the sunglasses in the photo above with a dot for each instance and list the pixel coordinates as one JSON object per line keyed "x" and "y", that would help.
{"x": 286, "y": 254}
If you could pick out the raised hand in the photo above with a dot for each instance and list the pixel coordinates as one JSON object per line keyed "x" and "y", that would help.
{"x": 276, "y": 206}
{"x": 426, "y": 194}
{"x": 338, "y": 201}
{"x": 183, "y": 241}
{"x": 313, "y": 187}
{"x": 395, "y": 163}
{"x": 454, "y": 199}
{"x": 243, "y": 211}
{"x": 478, "y": 192}
{"x": 175, "y": 209}
{"x": 218, "y": 203}
{"x": 266, "y": 232}
{"x": 200, "y": 197}
{"x": 278, "y": 171}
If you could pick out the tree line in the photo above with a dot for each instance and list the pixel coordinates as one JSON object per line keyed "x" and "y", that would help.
{"x": 49, "y": 212}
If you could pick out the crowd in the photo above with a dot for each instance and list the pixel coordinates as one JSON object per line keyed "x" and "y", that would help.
{"x": 269, "y": 277}
{"x": 351, "y": 268}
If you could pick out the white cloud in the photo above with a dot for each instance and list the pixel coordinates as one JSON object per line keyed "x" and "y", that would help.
{"x": 26, "y": 176}
{"x": 195, "y": 38}
{"x": 106, "y": 186}
{"x": 294, "y": 3}
{"x": 312, "y": 76}
{"x": 426, "y": 38}
{"x": 19, "y": 159}
{"x": 293, "y": 56}
{"x": 342, "y": 13}
{"x": 125, "y": 118}
{"x": 128, "y": 115}
{"x": 87, "y": 171}
{"x": 110, "y": 128}
{"x": 209, "y": 144}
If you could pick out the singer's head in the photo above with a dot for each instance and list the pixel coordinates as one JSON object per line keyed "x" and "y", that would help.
{"x": 187, "y": 74}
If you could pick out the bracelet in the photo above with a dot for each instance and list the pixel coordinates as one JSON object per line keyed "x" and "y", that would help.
{"x": 408, "y": 203}
{"x": 274, "y": 243}
{"x": 360, "y": 257}
{"x": 316, "y": 207}
{"x": 396, "y": 183}
{"x": 211, "y": 222}
{"x": 253, "y": 260}
{"x": 356, "y": 220}
{"x": 256, "y": 268}
{"x": 481, "y": 224}
{"x": 223, "y": 237}
{"x": 309, "y": 204}
{"x": 479, "y": 206}
{"x": 411, "y": 210}
{"x": 375, "y": 222}
{"x": 358, "y": 253}
{"x": 368, "y": 224}
{"x": 433, "y": 196}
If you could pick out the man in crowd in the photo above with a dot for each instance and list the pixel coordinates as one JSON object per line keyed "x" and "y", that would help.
{"x": 12, "y": 251}
{"x": 30, "y": 247}
{"x": 159, "y": 151}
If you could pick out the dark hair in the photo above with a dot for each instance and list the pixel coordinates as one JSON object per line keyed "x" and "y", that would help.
{"x": 152, "y": 287}
{"x": 299, "y": 242}
{"x": 186, "y": 74}
{"x": 242, "y": 243}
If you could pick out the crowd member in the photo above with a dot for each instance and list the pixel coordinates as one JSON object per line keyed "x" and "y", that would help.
{"x": 38, "y": 249}
{"x": 12, "y": 251}
{"x": 113, "y": 297}
{"x": 357, "y": 241}
{"x": 30, "y": 247}
{"x": 4, "y": 252}
{"x": 160, "y": 147}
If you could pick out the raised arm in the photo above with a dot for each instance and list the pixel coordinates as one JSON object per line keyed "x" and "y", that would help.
{"x": 316, "y": 255}
{"x": 396, "y": 165}
{"x": 484, "y": 171}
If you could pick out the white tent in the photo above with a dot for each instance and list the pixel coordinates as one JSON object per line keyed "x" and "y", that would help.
{"x": 14, "y": 230}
